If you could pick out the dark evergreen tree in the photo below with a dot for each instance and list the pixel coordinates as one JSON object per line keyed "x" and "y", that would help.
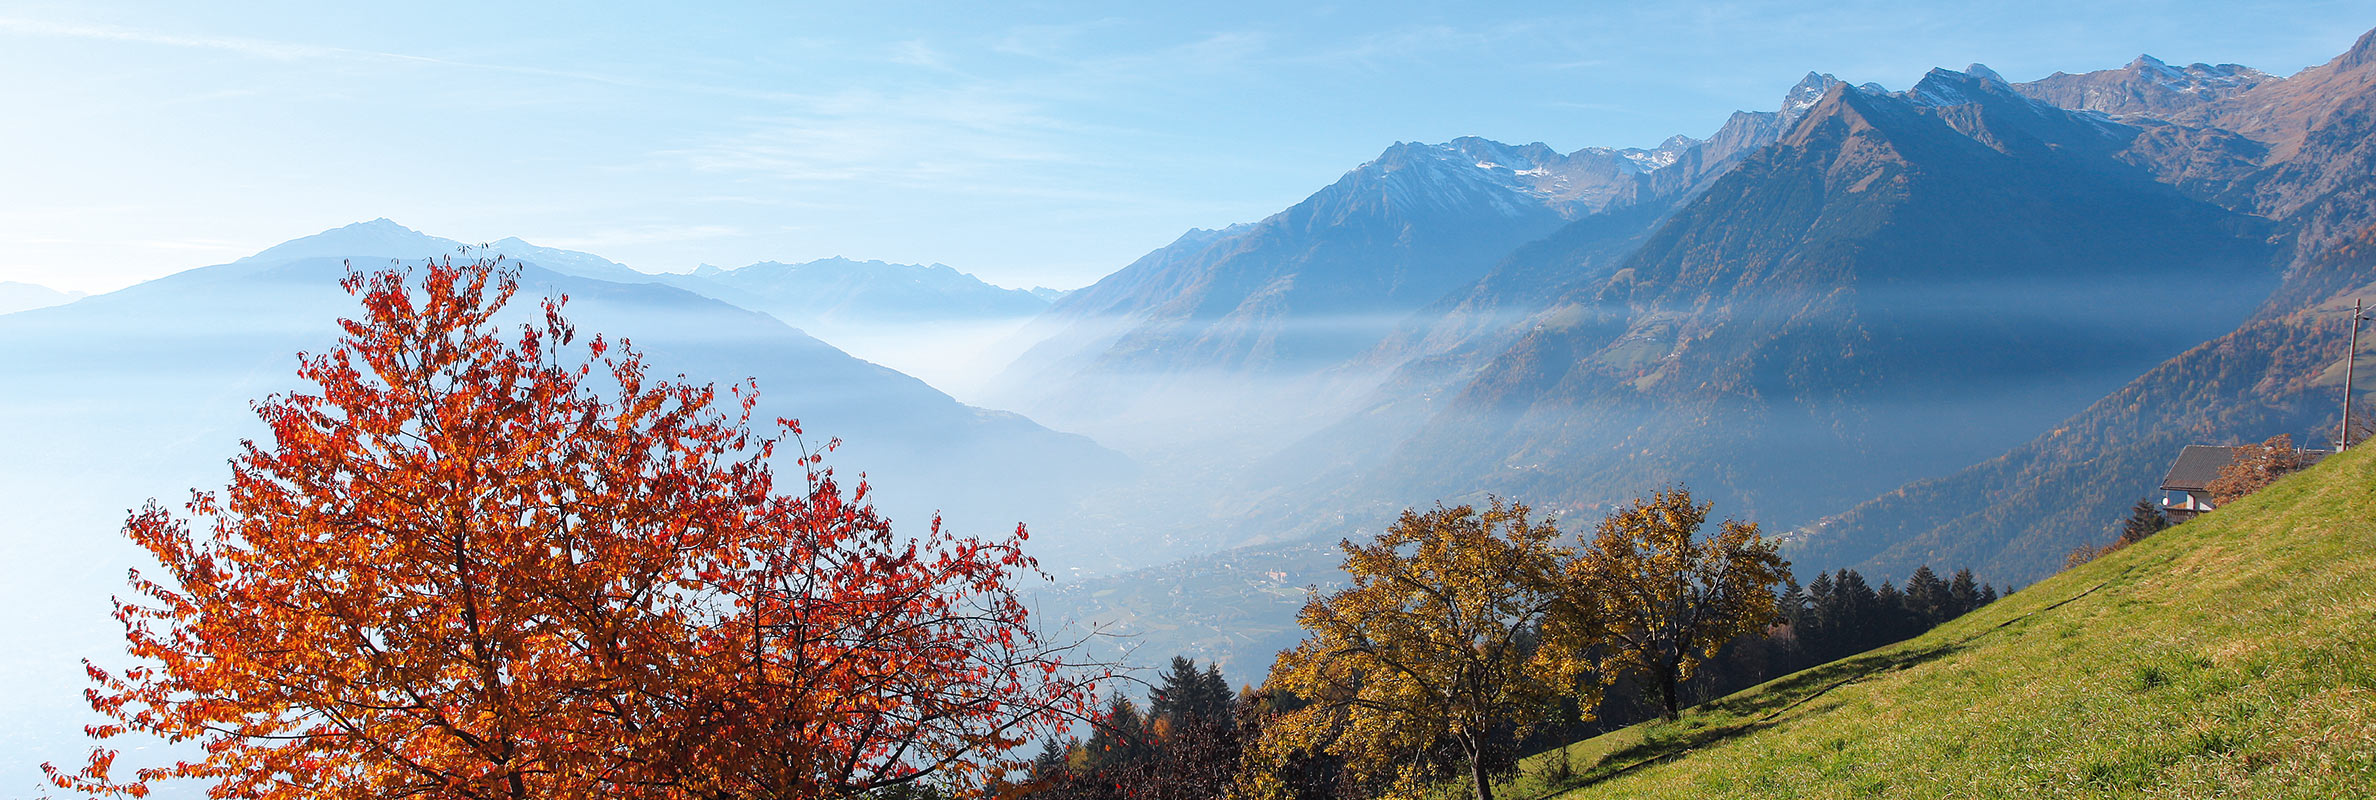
{"x": 1793, "y": 604}
{"x": 2144, "y": 519}
{"x": 1220, "y": 701}
{"x": 1049, "y": 764}
{"x": 1963, "y": 593}
{"x": 1929, "y": 598}
{"x": 1988, "y": 594}
{"x": 1821, "y": 629}
{"x": 1894, "y": 619}
{"x": 1186, "y": 693}
{"x": 1120, "y": 739}
{"x": 1858, "y": 615}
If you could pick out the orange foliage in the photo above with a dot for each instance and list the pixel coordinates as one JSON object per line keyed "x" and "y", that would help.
{"x": 471, "y": 565}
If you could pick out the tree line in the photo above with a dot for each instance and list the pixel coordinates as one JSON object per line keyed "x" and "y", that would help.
{"x": 1469, "y": 637}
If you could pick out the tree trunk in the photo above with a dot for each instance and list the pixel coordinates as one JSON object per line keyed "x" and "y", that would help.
{"x": 1477, "y": 776}
{"x": 1667, "y": 691}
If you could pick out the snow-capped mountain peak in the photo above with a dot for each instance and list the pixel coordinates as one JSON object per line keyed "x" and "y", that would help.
{"x": 1473, "y": 169}
{"x": 1805, "y": 95}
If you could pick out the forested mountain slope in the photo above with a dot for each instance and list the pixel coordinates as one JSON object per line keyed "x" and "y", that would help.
{"x": 1906, "y": 282}
{"x": 2281, "y": 371}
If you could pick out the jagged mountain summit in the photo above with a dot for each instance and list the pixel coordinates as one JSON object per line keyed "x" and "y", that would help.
{"x": 1295, "y": 293}
{"x": 2146, "y": 86}
{"x": 1278, "y": 314}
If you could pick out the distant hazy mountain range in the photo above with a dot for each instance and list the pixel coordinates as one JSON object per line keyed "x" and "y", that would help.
{"x": 143, "y": 392}
{"x": 16, "y": 296}
{"x": 842, "y": 291}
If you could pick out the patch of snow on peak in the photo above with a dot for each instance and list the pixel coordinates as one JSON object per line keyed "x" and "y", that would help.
{"x": 1652, "y": 160}
{"x": 1941, "y": 88}
{"x": 2198, "y": 78}
{"x": 1809, "y": 91}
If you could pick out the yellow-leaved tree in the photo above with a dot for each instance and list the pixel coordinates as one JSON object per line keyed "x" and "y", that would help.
{"x": 1458, "y": 631}
{"x": 1670, "y": 600}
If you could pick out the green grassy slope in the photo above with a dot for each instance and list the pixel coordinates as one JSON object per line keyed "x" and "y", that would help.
{"x": 2231, "y": 656}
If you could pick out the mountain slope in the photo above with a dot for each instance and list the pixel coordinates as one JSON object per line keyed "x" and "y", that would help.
{"x": 1261, "y": 307}
{"x": 17, "y": 296}
{"x": 2146, "y": 86}
{"x": 371, "y": 243}
{"x": 1903, "y": 284}
{"x": 241, "y": 323}
{"x": 2280, "y": 371}
{"x": 839, "y": 291}
{"x": 2226, "y": 657}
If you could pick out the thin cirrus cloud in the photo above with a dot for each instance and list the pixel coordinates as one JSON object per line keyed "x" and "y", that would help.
{"x": 915, "y": 139}
{"x": 643, "y": 234}
{"x": 294, "y": 51}
{"x": 277, "y": 51}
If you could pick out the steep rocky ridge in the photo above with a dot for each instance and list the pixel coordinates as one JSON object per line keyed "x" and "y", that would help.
{"x": 1855, "y": 297}
{"x": 2278, "y": 372}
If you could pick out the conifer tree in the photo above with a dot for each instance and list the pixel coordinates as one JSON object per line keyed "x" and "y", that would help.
{"x": 1187, "y": 693}
{"x": 1894, "y": 617}
{"x": 1964, "y": 593}
{"x": 1858, "y": 611}
{"x": 2144, "y": 519}
{"x": 1120, "y": 739}
{"x": 1050, "y": 761}
{"x": 1822, "y": 615}
{"x": 1793, "y": 604}
{"x": 1930, "y": 598}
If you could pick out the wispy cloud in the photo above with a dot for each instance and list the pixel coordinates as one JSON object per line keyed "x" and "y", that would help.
{"x": 1047, "y": 42}
{"x": 296, "y": 51}
{"x": 643, "y": 234}
{"x": 277, "y": 51}
{"x": 900, "y": 138}
{"x": 918, "y": 53}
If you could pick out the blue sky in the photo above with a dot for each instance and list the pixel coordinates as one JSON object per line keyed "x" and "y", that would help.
{"x": 1029, "y": 143}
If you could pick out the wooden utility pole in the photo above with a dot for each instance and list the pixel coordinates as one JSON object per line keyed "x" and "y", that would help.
{"x": 2350, "y": 360}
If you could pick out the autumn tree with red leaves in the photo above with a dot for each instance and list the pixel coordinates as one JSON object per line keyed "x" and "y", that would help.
{"x": 478, "y": 565}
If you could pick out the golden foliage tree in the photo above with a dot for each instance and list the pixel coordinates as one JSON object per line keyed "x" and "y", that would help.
{"x": 1456, "y": 629}
{"x": 480, "y": 564}
{"x": 1669, "y": 600}
{"x": 2254, "y": 467}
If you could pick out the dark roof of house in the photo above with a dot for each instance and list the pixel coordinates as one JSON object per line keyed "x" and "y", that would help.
{"x": 2197, "y": 466}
